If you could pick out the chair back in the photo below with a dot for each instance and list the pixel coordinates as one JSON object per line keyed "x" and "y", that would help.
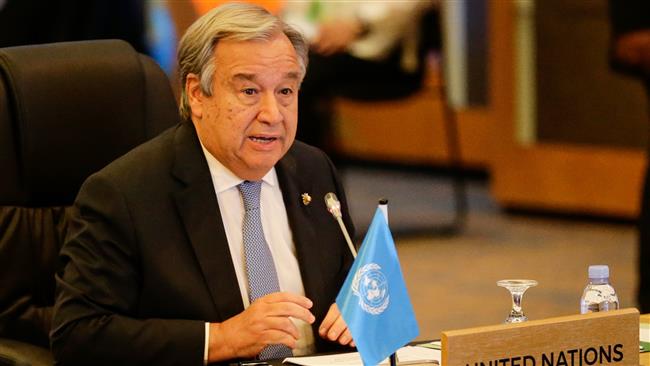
{"x": 66, "y": 110}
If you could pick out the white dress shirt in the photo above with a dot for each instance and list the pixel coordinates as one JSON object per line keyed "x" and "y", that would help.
{"x": 276, "y": 232}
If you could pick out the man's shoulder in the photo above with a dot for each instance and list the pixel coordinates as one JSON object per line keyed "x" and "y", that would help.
{"x": 306, "y": 154}
{"x": 153, "y": 157}
{"x": 308, "y": 164}
{"x": 159, "y": 147}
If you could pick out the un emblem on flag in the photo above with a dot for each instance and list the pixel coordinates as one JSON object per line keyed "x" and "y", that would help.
{"x": 371, "y": 286}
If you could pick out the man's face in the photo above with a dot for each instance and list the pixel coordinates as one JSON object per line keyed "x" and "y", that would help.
{"x": 250, "y": 120}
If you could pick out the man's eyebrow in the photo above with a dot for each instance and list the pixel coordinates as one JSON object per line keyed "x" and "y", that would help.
{"x": 242, "y": 76}
{"x": 293, "y": 75}
{"x": 251, "y": 77}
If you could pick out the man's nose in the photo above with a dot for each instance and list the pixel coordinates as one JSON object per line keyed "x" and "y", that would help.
{"x": 270, "y": 109}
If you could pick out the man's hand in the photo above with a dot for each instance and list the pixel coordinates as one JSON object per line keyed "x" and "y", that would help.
{"x": 334, "y": 327}
{"x": 633, "y": 50}
{"x": 266, "y": 321}
{"x": 336, "y": 36}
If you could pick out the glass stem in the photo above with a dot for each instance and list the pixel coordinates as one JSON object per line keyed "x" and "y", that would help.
{"x": 516, "y": 302}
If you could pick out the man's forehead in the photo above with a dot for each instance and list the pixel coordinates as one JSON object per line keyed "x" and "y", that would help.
{"x": 252, "y": 59}
{"x": 275, "y": 46}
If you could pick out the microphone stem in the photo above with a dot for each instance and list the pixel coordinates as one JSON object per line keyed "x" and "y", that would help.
{"x": 347, "y": 236}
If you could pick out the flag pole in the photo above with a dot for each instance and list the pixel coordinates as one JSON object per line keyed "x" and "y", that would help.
{"x": 383, "y": 206}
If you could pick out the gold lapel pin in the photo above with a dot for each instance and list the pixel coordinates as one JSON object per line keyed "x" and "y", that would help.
{"x": 306, "y": 199}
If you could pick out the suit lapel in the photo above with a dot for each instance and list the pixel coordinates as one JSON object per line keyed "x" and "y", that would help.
{"x": 304, "y": 233}
{"x": 199, "y": 210}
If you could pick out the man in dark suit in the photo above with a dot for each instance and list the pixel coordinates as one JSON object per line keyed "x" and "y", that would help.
{"x": 157, "y": 269}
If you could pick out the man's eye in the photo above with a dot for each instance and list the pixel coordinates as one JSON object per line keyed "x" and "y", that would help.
{"x": 249, "y": 91}
{"x": 286, "y": 91}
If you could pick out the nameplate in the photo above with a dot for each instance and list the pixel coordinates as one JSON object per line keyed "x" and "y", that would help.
{"x": 605, "y": 338}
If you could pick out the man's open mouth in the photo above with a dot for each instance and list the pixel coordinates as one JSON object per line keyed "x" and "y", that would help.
{"x": 262, "y": 139}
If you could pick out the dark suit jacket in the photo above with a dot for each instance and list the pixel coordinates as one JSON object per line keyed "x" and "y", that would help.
{"x": 146, "y": 262}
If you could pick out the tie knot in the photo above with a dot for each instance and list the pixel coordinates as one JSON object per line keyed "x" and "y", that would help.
{"x": 250, "y": 192}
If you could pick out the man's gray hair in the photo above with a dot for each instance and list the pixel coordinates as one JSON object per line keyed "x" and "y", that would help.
{"x": 238, "y": 22}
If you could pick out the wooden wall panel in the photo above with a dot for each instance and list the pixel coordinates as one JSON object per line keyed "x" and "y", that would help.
{"x": 558, "y": 177}
{"x": 411, "y": 130}
{"x": 564, "y": 178}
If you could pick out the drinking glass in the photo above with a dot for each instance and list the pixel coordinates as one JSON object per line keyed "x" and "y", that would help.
{"x": 517, "y": 289}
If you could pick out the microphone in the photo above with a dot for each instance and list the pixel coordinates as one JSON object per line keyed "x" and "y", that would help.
{"x": 334, "y": 207}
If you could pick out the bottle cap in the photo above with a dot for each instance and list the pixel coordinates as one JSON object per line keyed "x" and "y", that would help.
{"x": 599, "y": 271}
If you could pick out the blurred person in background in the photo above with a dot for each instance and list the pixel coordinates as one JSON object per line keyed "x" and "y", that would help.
{"x": 365, "y": 50}
{"x": 630, "y": 55}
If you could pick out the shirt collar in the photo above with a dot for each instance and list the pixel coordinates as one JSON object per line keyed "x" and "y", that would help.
{"x": 224, "y": 179}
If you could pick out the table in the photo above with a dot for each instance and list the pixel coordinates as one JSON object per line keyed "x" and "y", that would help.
{"x": 644, "y": 358}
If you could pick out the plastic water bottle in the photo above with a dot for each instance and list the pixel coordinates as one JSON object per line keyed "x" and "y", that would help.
{"x": 599, "y": 295}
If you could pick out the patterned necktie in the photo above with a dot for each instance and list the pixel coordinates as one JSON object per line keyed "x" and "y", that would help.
{"x": 260, "y": 270}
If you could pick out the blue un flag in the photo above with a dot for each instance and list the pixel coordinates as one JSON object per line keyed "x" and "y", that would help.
{"x": 374, "y": 301}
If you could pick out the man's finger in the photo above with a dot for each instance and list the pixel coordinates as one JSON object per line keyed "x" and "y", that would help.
{"x": 287, "y": 297}
{"x": 273, "y": 336}
{"x": 346, "y": 337}
{"x": 330, "y": 318}
{"x": 337, "y": 329}
{"x": 289, "y": 309}
{"x": 282, "y": 324}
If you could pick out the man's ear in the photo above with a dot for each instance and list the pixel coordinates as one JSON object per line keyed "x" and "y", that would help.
{"x": 195, "y": 96}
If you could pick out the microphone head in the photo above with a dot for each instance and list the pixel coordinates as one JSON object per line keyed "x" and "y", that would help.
{"x": 333, "y": 205}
